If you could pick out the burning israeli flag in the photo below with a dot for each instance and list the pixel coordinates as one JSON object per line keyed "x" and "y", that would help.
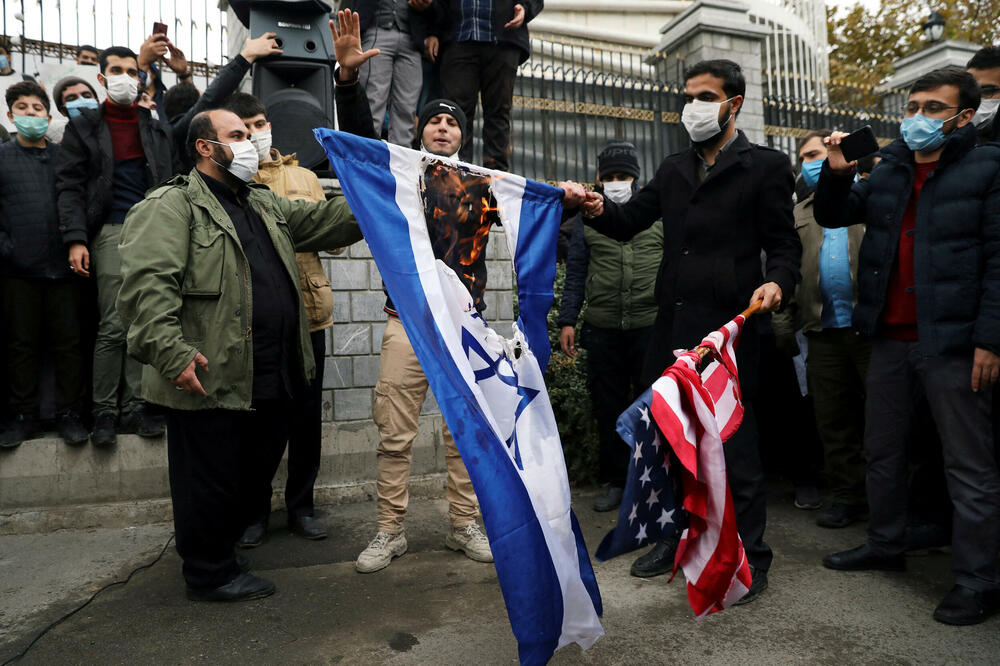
{"x": 490, "y": 389}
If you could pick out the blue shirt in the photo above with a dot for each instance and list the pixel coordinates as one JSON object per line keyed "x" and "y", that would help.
{"x": 835, "y": 286}
{"x": 475, "y": 21}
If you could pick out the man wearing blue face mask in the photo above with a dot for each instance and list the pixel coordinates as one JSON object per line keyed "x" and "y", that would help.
{"x": 41, "y": 297}
{"x": 838, "y": 356}
{"x": 929, "y": 297}
{"x": 73, "y": 94}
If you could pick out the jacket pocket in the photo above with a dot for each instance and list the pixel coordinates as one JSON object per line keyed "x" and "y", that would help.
{"x": 206, "y": 261}
{"x": 317, "y": 298}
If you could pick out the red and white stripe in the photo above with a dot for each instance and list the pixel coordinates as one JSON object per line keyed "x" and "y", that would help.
{"x": 697, "y": 413}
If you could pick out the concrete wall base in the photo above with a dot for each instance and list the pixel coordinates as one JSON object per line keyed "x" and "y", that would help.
{"x": 46, "y": 485}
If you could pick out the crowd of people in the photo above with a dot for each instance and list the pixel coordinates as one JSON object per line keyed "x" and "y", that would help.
{"x": 163, "y": 248}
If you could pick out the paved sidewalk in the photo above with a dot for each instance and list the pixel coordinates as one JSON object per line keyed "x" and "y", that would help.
{"x": 433, "y": 606}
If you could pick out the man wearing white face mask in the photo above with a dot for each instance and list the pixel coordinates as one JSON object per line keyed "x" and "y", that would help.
{"x": 722, "y": 201}
{"x": 929, "y": 298}
{"x": 110, "y": 156}
{"x": 616, "y": 280}
{"x": 211, "y": 298}
{"x": 286, "y": 179}
{"x": 985, "y": 68}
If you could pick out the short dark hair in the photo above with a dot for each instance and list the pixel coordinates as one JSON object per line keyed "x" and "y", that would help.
{"x": 26, "y": 89}
{"x": 87, "y": 47}
{"x": 120, "y": 51}
{"x": 987, "y": 57}
{"x": 968, "y": 89}
{"x": 179, "y": 99}
{"x": 733, "y": 83}
{"x": 815, "y": 134}
{"x": 244, "y": 105}
{"x": 66, "y": 82}
{"x": 201, "y": 127}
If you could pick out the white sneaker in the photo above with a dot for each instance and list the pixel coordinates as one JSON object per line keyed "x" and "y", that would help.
{"x": 470, "y": 540}
{"x": 380, "y": 552}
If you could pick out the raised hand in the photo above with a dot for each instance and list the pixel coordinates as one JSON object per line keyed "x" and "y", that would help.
{"x": 151, "y": 50}
{"x": 835, "y": 156}
{"x": 346, "y": 34}
{"x": 260, "y": 47}
{"x": 178, "y": 61}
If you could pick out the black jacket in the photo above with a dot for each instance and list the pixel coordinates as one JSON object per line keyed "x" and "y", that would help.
{"x": 85, "y": 169}
{"x": 30, "y": 243}
{"x": 956, "y": 259}
{"x": 419, "y": 21}
{"x": 713, "y": 235}
{"x": 222, "y": 86}
{"x": 447, "y": 12}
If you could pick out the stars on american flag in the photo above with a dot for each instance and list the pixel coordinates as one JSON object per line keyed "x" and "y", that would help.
{"x": 653, "y": 498}
{"x": 641, "y": 535}
{"x": 645, "y": 477}
{"x": 665, "y": 517}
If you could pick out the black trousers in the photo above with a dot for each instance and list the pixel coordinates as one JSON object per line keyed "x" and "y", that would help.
{"x": 217, "y": 458}
{"x": 837, "y": 370}
{"x": 42, "y": 317}
{"x": 746, "y": 483}
{"x": 614, "y": 371}
{"x": 473, "y": 69}
{"x": 965, "y": 422}
{"x": 305, "y": 442}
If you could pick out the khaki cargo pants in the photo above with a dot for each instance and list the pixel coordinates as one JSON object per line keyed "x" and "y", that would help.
{"x": 399, "y": 395}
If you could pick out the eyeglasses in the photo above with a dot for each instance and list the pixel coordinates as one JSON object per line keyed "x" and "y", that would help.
{"x": 930, "y": 108}
{"x": 989, "y": 92}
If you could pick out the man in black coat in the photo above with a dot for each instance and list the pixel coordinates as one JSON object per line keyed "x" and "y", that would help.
{"x": 985, "y": 68}
{"x": 722, "y": 201}
{"x": 929, "y": 296}
{"x": 482, "y": 45}
{"x": 110, "y": 156}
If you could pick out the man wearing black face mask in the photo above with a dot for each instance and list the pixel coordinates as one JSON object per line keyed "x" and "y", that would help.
{"x": 722, "y": 201}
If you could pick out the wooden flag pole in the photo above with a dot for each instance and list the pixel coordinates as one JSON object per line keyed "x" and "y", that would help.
{"x": 752, "y": 310}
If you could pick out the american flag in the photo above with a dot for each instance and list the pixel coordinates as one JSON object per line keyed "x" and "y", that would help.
{"x": 696, "y": 412}
{"x": 647, "y": 510}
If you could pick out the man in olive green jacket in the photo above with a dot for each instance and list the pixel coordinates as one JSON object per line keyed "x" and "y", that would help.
{"x": 211, "y": 300}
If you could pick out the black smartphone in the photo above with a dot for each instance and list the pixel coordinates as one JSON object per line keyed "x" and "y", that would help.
{"x": 159, "y": 28}
{"x": 858, "y": 144}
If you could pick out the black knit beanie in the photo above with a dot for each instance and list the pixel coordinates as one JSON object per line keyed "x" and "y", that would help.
{"x": 433, "y": 108}
{"x": 618, "y": 157}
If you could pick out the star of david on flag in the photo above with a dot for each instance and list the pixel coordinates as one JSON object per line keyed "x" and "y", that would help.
{"x": 490, "y": 389}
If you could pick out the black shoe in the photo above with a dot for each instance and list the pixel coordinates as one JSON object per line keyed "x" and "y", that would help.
{"x": 245, "y": 586}
{"x": 103, "y": 435}
{"x": 142, "y": 422}
{"x": 926, "y": 536}
{"x": 21, "y": 428}
{"x": 758, "y": 584}
{"x": 807, "y": 497}
{"x": 71, "y": 429}
{"x": 610, "y": 500}
{"x": 863, "y": 558}
{"x": 307, "y": 527}
{"x": 841, "y": 515}
{"x": 963, "y": 605}
{"x": 253, "y": 535}
{"x": 658, "y": 561}
{"x": 243, "y": 562}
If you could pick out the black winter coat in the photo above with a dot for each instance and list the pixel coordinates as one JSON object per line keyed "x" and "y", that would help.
{"x": 30, "y": 243}
{"x": 956, "y": 258}
{"x": 713, "y": 235}
{"x": 85, "y": 169}
{"x": 447, "y": 13}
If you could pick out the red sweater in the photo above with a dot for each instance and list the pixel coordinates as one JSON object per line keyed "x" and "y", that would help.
{"x": 123, "y": 122}
{"x": 899, "y": 317}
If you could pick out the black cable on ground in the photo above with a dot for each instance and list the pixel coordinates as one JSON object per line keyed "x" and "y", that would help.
{"x": 79, "y": 608}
